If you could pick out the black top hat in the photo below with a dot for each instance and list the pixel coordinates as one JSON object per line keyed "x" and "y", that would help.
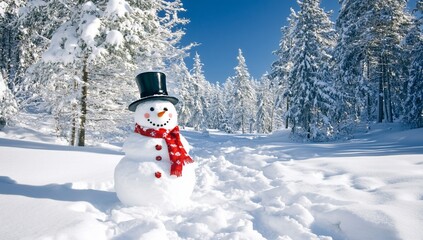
{"x": 152, "y": 86}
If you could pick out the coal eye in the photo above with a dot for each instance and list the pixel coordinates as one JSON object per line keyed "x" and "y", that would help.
{"x": 151, "y": 109}
{"x": 165, "y": 109}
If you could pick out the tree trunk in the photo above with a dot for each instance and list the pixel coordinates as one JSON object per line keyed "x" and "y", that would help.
{"x": 369, "y": 102}
{"x": 388, "y": 99}
{"x": 369, "y": 107}
{"x": 385, "y": 92}
{"x": 385, "y": 95}
{"x": 73, "y": 132}
{"x": 84, "y": 93}
{"x": 242, "y": 123}
{"x": 271, "y": 118}
{"x": 308, "y": 123}
{"x": 380, "y": 93}
{"x": 74, "y": 117}
{"x": 287, "y": 117}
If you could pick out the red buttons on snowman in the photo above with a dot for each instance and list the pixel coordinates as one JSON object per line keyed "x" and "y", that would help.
{"x": 158, "y": 147}
{"x": 159, "y": 158}
{"x": 158, "y": 174}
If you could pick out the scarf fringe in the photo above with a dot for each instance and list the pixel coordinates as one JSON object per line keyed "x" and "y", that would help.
{"x": 176, "y": 170}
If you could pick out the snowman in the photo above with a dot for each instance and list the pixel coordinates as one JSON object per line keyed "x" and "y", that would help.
{"x": 156, "y": 170}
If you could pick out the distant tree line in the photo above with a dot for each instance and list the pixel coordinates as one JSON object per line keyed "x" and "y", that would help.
{"x": 328, "y": 77}
{"x": 75, "y": 61}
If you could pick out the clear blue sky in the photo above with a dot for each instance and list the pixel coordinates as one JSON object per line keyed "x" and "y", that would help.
{"x": 224, "y": 26}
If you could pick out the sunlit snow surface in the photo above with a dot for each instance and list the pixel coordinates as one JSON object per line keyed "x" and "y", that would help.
{"x": 248, "y": 187}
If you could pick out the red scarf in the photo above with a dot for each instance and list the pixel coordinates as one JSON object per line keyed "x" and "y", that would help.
{"x": 178, "y": 156}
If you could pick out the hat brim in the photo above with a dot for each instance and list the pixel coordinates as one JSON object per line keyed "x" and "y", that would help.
{"x": 133, "y": 106}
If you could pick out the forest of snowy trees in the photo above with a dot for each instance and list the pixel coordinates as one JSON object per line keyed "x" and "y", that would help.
{"x": 74, "y": 61}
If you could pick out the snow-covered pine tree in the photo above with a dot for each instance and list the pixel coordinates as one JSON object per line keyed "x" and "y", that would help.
{"x": 37, "y": 22}
{"x": 26, "y": 28}
{"x": 352, "y": 59}
{"x": 244, "y": 95}
{"x": 390, "y": 24}
{"x": 229, "y": 101}
{"x": 280, "y": 71}
{"x": 160, "y": 47}
{"x": 265, "y": 105}
{"x": 312, "y": 100}
{"x": 200, "y": 90}
{"x": 413, "y": 104}
{"x": 11, "y": 59}
{"x": 217, "y": 110}
{"x": 370, "y": 61}
{"x": 10, "y": 47}
{"x": 185, "y": 96}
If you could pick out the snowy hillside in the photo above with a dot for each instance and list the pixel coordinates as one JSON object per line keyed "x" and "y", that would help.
{"x": 248, "y": 187}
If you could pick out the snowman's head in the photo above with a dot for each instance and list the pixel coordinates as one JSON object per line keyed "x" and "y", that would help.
{"x": 156, "y": 114}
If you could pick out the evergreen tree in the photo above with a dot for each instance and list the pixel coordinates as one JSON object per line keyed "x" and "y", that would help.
{"x": 413, "y": 105}
{"x": 244, "y": 97}
{"x": 218, "y": 109}
{"x": 10, "y": 47}
{"x": 265, "y": 106}
{"x": 159, "y": 46}
{"x": 414, "y": 102}
{"x": 230, "y": 104}
{"x": 184, "y": 106}
{"x": 350, "y": 50}
{"x": 281, "y": 70}
{"x": 200, "y": 90}
{"x": 10, "y": 57}
{"x": 371, "y": 66}
{"x": 27, "y": 27}
{"x": 194, "y": 90}
{"x": 312, "y": 100}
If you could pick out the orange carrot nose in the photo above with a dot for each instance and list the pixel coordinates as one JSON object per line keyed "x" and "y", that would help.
{"x": 160, "y": 114}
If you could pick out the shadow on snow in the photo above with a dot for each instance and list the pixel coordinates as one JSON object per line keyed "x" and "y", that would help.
{"x": 102, "y": 200}
{"x": 54, "y": 147}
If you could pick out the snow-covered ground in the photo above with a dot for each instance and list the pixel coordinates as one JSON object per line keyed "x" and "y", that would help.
{"x": 248, "y": 187}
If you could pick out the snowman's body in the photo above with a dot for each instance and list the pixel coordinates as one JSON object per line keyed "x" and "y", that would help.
{"x": 142, "y": 177}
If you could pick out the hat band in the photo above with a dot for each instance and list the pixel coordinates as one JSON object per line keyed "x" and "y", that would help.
{"x": 158, "y": 93}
